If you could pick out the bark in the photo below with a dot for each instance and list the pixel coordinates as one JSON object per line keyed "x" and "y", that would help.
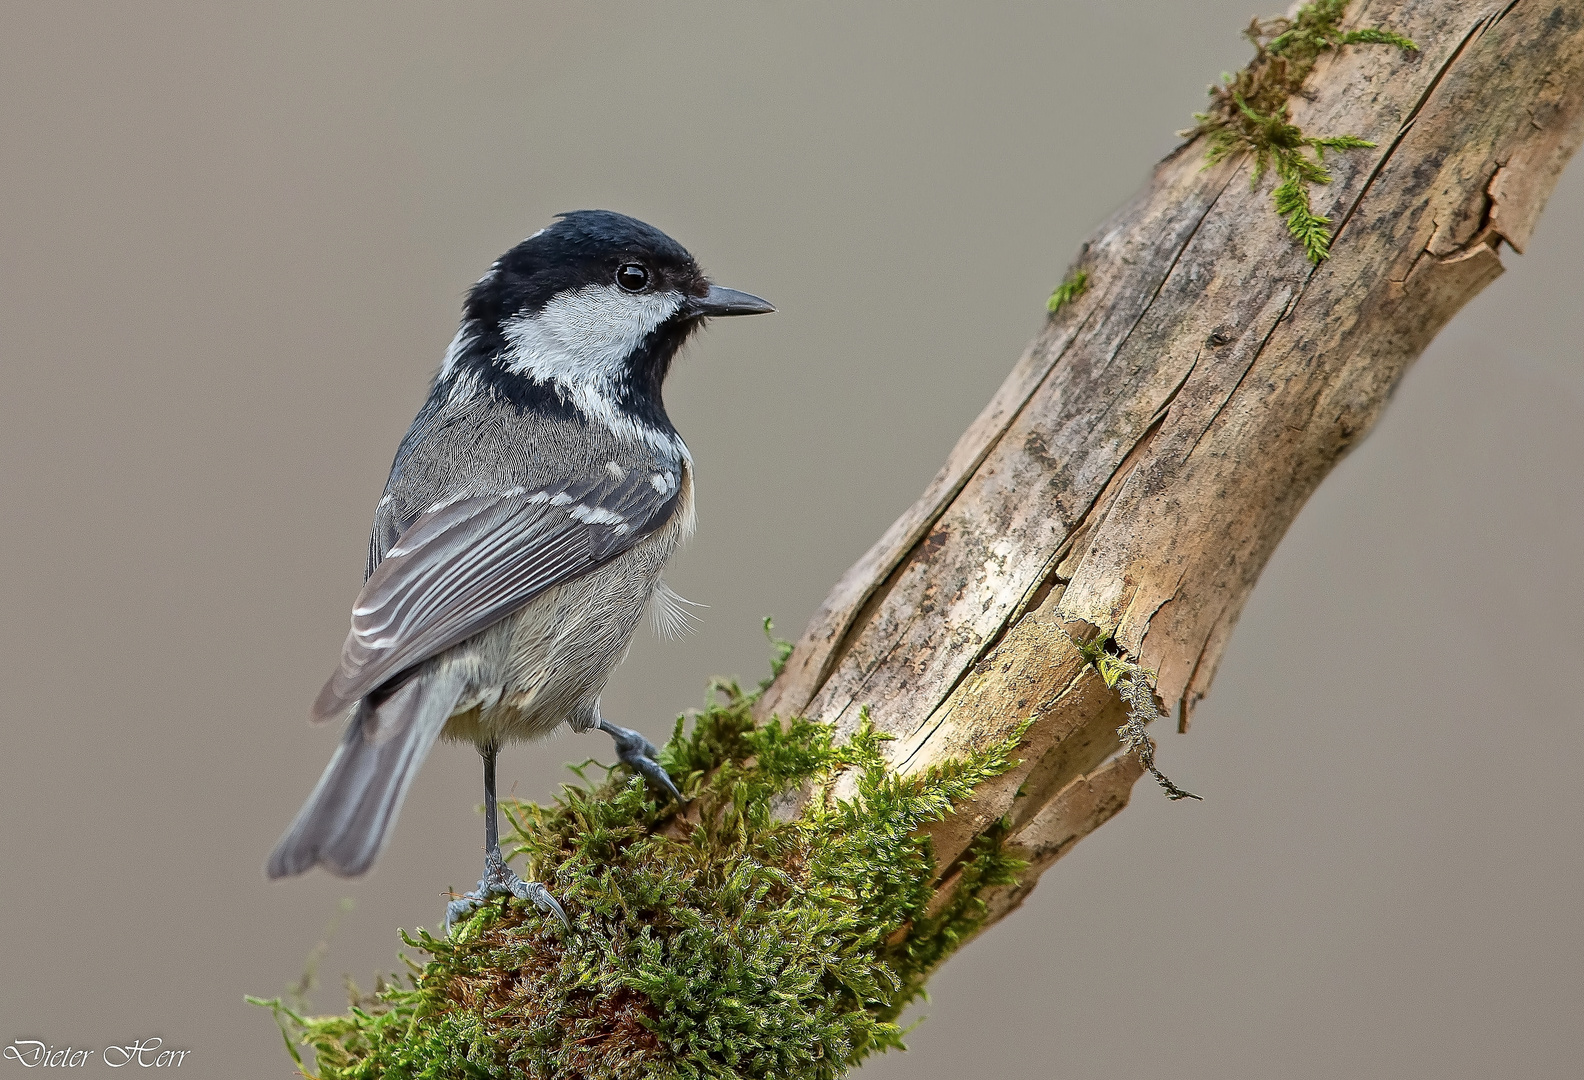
{"x": 1133, "y": 474}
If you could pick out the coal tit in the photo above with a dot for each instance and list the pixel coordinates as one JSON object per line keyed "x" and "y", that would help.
{"x": 521, "y": 535}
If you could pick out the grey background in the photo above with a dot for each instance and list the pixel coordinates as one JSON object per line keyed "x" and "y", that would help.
{"x": 235, "y": 238}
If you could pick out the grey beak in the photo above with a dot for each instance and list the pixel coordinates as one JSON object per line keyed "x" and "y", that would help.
{"x": 723, "y": 301}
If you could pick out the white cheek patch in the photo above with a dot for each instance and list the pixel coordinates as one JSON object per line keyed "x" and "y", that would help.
{"x": 587, "y": 334}
{"x": 580, "y": 342}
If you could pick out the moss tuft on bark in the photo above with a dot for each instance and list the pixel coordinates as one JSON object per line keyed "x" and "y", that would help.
{"x": 1248, "y": 112}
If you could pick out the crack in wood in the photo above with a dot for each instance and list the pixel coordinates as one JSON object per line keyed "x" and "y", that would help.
{"x": 1474, "y": 32}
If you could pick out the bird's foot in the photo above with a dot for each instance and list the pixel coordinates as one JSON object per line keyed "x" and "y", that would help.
{"x": 500, "y": 880}
{"x": 639, "y": 754}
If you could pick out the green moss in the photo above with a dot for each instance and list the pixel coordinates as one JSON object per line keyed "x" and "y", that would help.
{"x": 1072, "y": 287}
{"x": 1248, "y": 112}
{"x": 781, "y": 652}
{"x": 709, "y": 940}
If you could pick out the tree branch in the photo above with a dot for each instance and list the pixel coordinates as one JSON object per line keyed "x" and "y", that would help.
{"x": 1130, "y": 479}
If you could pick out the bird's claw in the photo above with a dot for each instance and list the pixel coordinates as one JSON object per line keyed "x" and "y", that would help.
{"x": 500, "y": 880}
{"x": 639, "y": 754}
{"x": 461, "y": 908}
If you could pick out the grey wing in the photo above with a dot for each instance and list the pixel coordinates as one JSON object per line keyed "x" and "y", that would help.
{"x": 467, "y": 564}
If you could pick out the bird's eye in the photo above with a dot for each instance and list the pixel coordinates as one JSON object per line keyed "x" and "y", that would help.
{"x": 632, "y": 277}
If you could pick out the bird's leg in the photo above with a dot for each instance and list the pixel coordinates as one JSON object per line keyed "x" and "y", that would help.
{"x": 499, "y": 879}
{"x": 639, "y": 754}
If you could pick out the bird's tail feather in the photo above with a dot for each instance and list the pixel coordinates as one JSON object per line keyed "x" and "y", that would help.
{"x": 346, "y": 820}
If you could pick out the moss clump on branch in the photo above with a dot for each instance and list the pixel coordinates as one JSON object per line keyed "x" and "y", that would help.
{"x": 1248, "y": 112}
{"x": 708, "y": 940}
{"x": 1072, "y": 287}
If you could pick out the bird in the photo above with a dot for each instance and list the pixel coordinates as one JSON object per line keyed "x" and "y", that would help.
{"x": 521, "y": 535}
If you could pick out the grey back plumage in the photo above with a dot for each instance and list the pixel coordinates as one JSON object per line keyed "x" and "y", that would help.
{"x": 470, "y": 559}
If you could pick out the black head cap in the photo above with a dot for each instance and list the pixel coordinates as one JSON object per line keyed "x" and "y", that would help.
{"x": 584, "y": 247}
